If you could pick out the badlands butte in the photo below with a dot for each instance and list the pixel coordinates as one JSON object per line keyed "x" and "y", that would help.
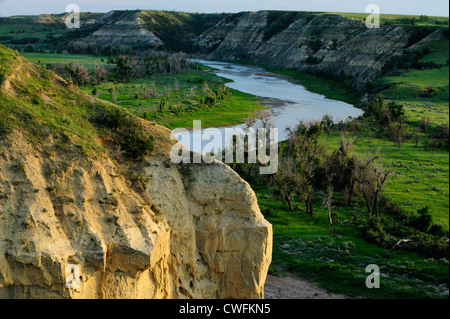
{"x": 83, "y": 182}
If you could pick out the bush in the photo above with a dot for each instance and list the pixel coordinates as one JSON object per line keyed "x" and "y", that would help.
{"x": 428, "y": 92}
{"x": 374, "y": 233}
{"x": 128, "y": 130}
{"x": 135, "y": 144}
{"x": 423, "y": 220}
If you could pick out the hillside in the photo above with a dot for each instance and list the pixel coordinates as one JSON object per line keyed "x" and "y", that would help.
{"x": 335, "y": 45}
{"x": 83, "y": 182}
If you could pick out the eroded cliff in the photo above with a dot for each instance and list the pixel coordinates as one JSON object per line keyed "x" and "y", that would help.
{"x": 134, "y": 227}
{"x": 325, "y": 44}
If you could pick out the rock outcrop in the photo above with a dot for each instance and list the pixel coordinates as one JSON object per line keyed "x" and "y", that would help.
{"x": 332, "y": 45}
{"x": 97, "y": 224}
{"x": 192, "y": 232}
{"x": 326, "y": 44}
{"x": 122, "y": 28}
{"x": 323, "y": 44}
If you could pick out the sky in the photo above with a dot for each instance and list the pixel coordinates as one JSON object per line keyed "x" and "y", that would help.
{"x": 412, "y": 7}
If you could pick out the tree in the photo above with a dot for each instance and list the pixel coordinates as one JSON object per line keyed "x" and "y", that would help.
{"x": 304, "y": 156}
{"x": 123, "y": 69}
{"x": 153, "y": 91}
{"x": 371, "y": 185}
{"x": 396, "y": 111}
{"x": 327, "y": 203}
{"x": 101, "y": 74}
{"x": 416, "y": 137}
{"x": 358, "y": 171}
{"x": 262, "y": 120}
{"x": 114, "y": 94}
{"x": 78, "y": 74}
{"x": 399, "y": 132}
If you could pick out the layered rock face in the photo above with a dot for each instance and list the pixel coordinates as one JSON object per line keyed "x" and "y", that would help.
{"x": 122, "y": 28}
{"x": 325, "y": 44}
{"x": 191, "y": 231}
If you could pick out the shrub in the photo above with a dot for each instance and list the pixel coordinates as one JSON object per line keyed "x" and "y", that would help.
{"x": 135, "y": 144}
{"x": 423, "y": 220}
{"x": 428, "y": 92}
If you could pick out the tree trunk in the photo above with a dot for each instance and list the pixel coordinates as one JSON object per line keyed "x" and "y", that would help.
{"x": 329, "y": 212}
{"x": 375, "y": 205}
{"x": 367, "y": 203}
{"x": 282, "y": 199}
{"x": 309, "y": 207}
{"x": 290, "y": 203}
{"x": 350, "y": 194}
{"x": 249, "y": 172}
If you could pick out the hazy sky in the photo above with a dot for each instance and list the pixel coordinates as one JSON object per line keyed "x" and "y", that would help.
{"x": 417, "y": 7}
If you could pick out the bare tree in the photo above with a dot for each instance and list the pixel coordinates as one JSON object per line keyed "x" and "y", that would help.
{"x": 101, "y": 74}
{"x": 302, "y": 156}
{"x": 359, "y": 169}
{"x": 372, "y": 184}
{"x": 327, "y": 202}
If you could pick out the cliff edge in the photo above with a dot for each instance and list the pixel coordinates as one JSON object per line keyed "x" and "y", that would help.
{"x": 88, "y": 193}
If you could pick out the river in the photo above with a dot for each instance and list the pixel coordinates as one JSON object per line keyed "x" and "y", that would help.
{"x": 291, "y": 103}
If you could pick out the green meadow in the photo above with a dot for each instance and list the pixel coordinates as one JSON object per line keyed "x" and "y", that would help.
{"x": 180, "y": 96}
{"x": 336, "y": 257}
{"x": 49, "y": 59}
{"x": 400, "y": 19}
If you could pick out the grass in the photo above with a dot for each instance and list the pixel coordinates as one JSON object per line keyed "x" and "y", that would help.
{"x": 427, "y": 169}
{"x": 417, "y": 174}
{"x": 182, "y": 106}
{"x": 406, "y": 86}
{"x": 337, "y": 258}
{"x": 49, "y": 59}
{"x": 181, "y": 93}
{"x": 39, "y": 106}
{"x": 420, "y": 177}
{"x": 397, "y": 18}
{"x": 321, "y": 85}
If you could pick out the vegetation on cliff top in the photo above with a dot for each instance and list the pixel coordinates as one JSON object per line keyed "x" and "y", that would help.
{"x": 39, "y": 104}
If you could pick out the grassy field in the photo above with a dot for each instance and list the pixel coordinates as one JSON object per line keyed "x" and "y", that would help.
{"x": 417, "y": 174}
{"x": 407, "y": 87}
{"x": 49, "y": 59}
{"x": 397, "y": 18}
{"x": 336, "y": 259}
{"x": 181, "y": 96}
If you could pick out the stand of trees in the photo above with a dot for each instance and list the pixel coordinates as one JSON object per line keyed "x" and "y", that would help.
{"x": 126, "y": 68}
{"x": 306, "y": 169}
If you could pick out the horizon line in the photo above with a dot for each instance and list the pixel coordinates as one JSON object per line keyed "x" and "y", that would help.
{"x": 229, "y": 12}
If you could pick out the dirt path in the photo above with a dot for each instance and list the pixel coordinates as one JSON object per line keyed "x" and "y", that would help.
{"x": 290, "y": 287}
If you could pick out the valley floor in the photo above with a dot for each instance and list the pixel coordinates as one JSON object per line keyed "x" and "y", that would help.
{"x": 291, "y": 287}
